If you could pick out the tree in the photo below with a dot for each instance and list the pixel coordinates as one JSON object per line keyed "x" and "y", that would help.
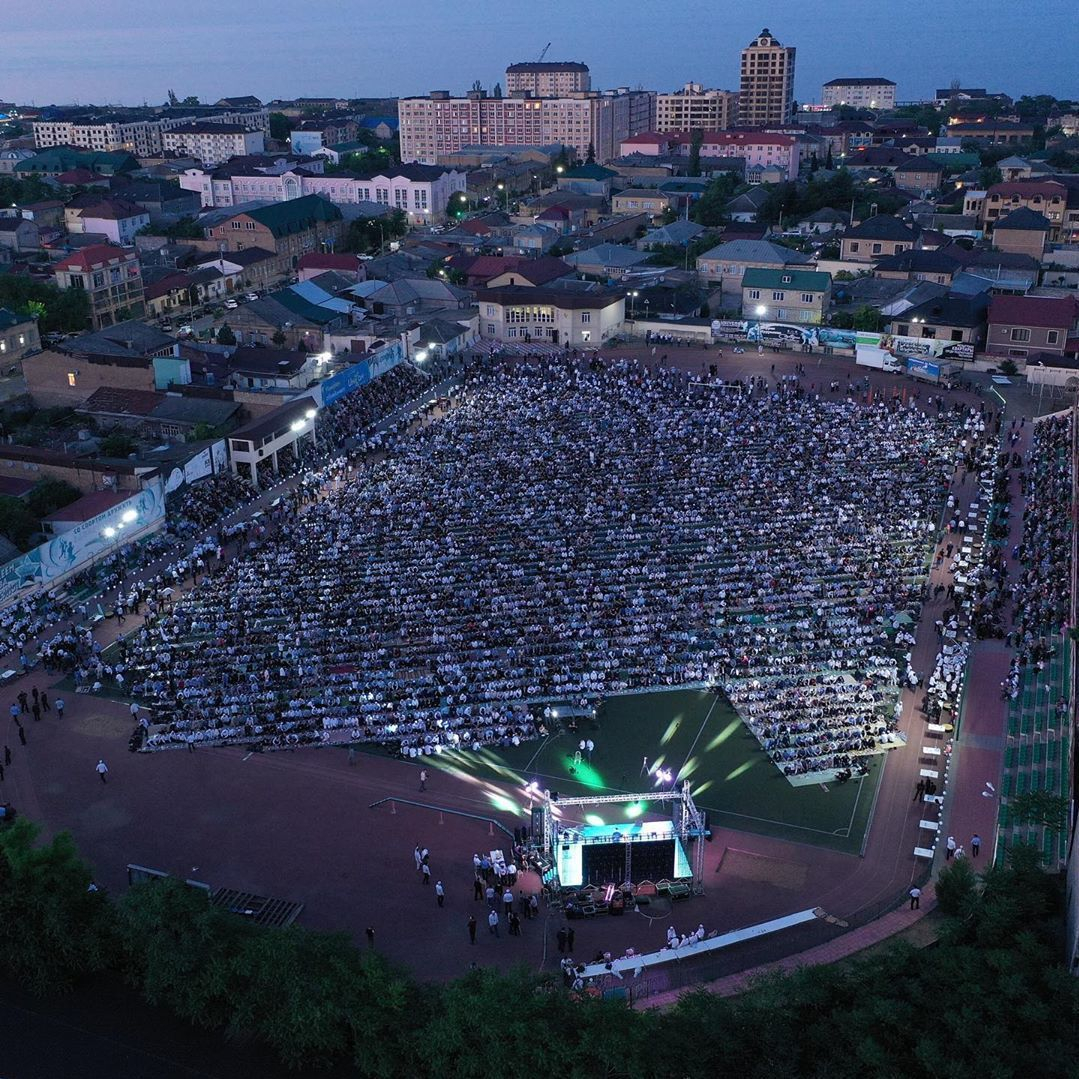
{"x": 225, "y": 336}
{"x": 867, "y": 318}
{"x": 278, "y": 338}
{"x": 1039, "y": 807}
{"x": 280, "y": 127}
{"x": 191, "y": 99}
{"x": 957, "y": 888}
{"x": 51, "y": 495}
{"x": 179, "y": 951}
{"x": 711, "y": 208}
{"x": 18, "y": 523}
{"x": 52, "y": 929}
{"x": 828, "y": 160}
{"x": 590, "y": 155}
{"x": 57, "y": 310}
{"x": 117, "y": 444}
{"x": 696, "y": 137}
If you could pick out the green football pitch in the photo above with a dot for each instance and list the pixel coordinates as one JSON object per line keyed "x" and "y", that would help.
{"x": 696, "y": 735}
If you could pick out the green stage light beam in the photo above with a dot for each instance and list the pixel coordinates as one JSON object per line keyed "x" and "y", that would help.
{"x": 740, "y": 770}
{"x": 723, "y": 735}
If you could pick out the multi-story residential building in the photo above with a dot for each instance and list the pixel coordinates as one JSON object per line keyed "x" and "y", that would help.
{"x": 212, "y": 143}
{"x": 993, "y": 132}
{"x": 551, "y": 315}
{"x": 422, "y": 191}
{"x": 960, "y": 95}
{"x": 876, "y": 238}
{"x": 766, "y": 93}
{"x": 727, "y": 263}
{"x": 18, "y": 337}
{"x": 118, "y": 219}
{"x": 138, "y": 133}
{"x": 1046, "y": 197}
{"x": 1022, "y": 325}
{"x": 313, "y": 135}
{"x": 695, "y": 108}
{"x": 756, "y": 149}
{"x": 867, "y": 93}
{"x": 439, "y": 124}
{"x": 552, "y": 79}
{"x": 111, "y": 278}
{"x": 786, "y": 295}
{"x": 291, "y": 228}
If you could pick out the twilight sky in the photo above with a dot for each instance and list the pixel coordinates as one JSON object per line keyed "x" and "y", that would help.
{"x": 131, "y": 51}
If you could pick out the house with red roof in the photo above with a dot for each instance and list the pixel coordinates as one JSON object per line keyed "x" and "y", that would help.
{"x": 111, "y": 278}
{"x": 1020, "y": 326}
{"x": 318, "y": 262}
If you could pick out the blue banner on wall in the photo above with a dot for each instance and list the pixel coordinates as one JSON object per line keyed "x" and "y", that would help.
{"x": 359, "y": 374}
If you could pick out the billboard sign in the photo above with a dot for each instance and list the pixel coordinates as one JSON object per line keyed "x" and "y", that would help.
{"x": 79, "y": 546}
{"x": 791, "y": 334}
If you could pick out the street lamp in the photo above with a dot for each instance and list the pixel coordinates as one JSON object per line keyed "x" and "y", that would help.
{"x": 632, "y": 296}
{"x": 761, "y": 310}
{"x": 421, "y": 356}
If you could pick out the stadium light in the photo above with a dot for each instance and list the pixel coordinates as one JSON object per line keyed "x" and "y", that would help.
{"x": 762, "y": 310}
{"x": 298, "y": 425}
{"x": 129, "y": 516}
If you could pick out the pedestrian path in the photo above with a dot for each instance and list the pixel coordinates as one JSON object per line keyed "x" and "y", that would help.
{"x": 841, "y": 947}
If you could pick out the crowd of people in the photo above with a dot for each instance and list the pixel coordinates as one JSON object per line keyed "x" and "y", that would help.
{"x": 1042, "y": 594}
{"x": 571, "y": 531}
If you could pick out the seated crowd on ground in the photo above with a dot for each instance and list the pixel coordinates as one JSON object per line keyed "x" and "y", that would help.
{"x": 567, "y": 533}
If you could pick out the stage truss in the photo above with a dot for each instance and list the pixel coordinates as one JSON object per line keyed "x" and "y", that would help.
{"x": 689, "y": 823}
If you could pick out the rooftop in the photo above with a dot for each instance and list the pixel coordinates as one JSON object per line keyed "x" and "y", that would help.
{"x": 1044, "y": 311}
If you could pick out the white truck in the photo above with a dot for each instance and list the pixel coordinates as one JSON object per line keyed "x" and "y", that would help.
{"x": 878, "y": 358}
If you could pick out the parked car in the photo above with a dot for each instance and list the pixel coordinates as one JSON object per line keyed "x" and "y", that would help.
{"x": 186, "y": 331}
{"x": 252, "y": 296}
{"x": 231, "y": 305}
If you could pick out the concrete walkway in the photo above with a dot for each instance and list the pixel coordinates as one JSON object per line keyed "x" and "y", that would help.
{"x": 842, "y": 947}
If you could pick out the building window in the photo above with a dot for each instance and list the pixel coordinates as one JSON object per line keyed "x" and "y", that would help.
{"x": 805, "y": 316}
{"x": 876, "y": 249}
{"x": 754, "y": 294}
{"x": 490, "y": 329}
{"x": 1020, "y": 333}
{"x": 854, "y": 245}
{"x": 1052, "y": 337}
{"x": 807, "y": 297}
{"x": 586, "y": 316}
{"x": 778, "y": 295}
{"x": 71, "y": 378}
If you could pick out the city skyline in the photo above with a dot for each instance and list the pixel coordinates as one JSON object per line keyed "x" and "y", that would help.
{"x": 131, "y": 56}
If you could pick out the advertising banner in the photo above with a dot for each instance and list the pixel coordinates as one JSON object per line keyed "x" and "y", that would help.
{"x": 79, "y": 546}
{"x": 359, "y": 374}
{"x": 791, "y": 334}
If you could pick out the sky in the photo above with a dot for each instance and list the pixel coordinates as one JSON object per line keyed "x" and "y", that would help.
{"x": 134, "y": 51}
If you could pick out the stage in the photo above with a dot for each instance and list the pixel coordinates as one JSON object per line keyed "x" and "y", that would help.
{"x": 614, "y": 853}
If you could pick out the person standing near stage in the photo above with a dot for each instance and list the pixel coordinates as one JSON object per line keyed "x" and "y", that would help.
{"x": 471, "y": 929}
{"x": 440, "y": 893}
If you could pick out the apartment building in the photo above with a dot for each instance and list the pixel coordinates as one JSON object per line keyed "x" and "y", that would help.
{"x": 1046, "y": 197}
{"x": 758, "y": 149}
{"x": 291, "y": 228}
{"x": 119, "y": 219}
{"x": 552, "y": 79}
{"x": 868, "y": 93}
{"x": 423, "y": 192}
{"x": 766, "y": 93}
{"x": 140, "y": 135}
{"x": 786, "y": 294}
{"x": 439, "y": 124}
{"x": 555, "y": 316}
{"x": 111, "y": 278}
{"x": 695, "y": 108}
{"x": 212, "y": 143}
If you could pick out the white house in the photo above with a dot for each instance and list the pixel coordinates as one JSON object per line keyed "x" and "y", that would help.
{"x": 423, "y": 192}
{"x": 518, "y": 314}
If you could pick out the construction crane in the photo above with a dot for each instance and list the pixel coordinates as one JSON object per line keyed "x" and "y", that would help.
{"x": 544, "y": 53}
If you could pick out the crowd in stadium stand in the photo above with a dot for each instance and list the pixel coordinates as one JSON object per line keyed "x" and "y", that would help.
{"x": 1042, "y": 595}
{"x": 568, "y": 532}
